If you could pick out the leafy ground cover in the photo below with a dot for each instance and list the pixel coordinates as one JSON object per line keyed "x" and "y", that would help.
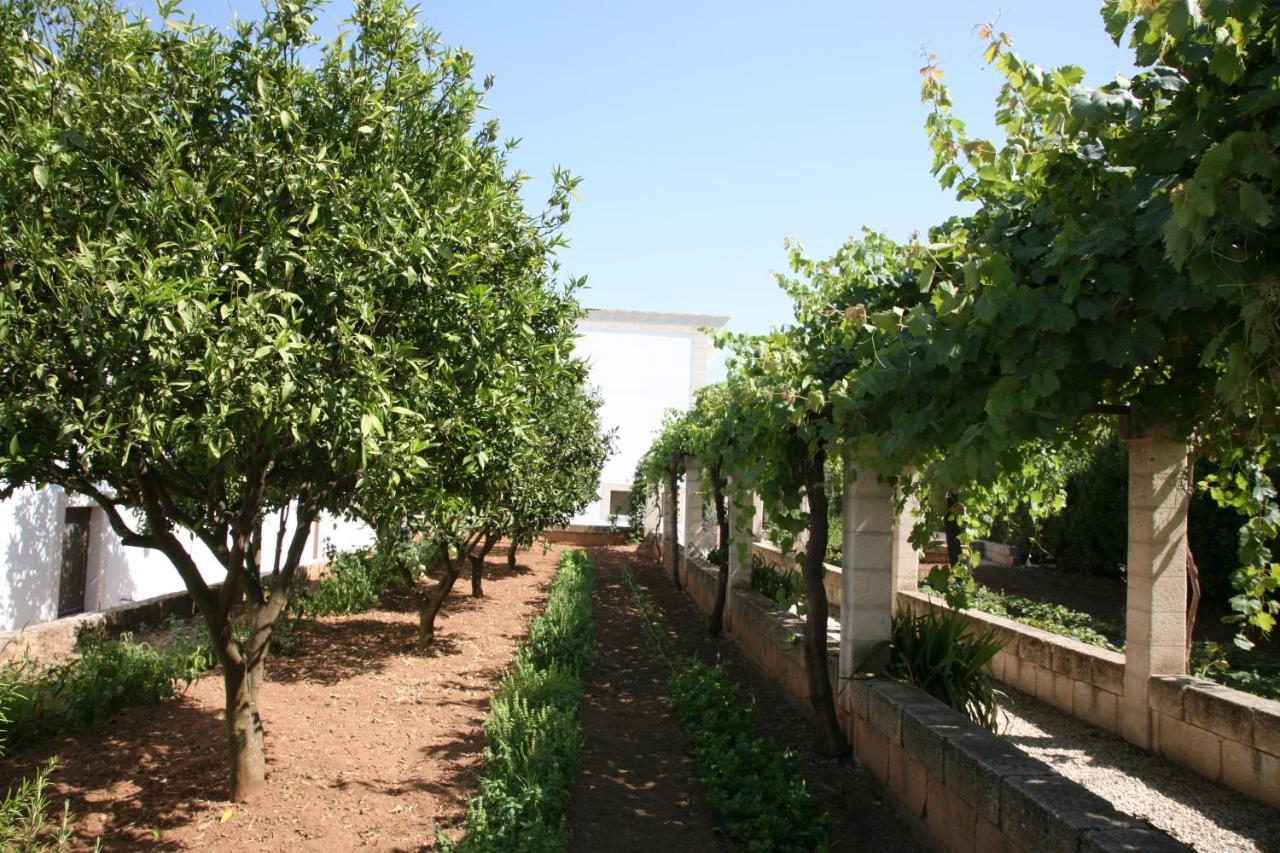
{"x": 533, "y": 735}
{"x": 752, "y": 785}
{"x": 107, "y": 676}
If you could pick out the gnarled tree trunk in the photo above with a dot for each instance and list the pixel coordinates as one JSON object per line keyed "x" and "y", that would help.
{"x": 477, "y": 565}
{"x": 511, "y": 556}
{"x": 431, "y": 600}
{"x": 246, "y": 747}
{"x": 716, "y": 624}
{"x": 830, "y": 739}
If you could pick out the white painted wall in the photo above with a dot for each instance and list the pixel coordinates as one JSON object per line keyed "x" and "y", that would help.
{"x": 31, "y": 540}
{"x": 643, "y": 364}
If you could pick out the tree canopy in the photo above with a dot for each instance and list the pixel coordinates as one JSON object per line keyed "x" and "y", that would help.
{"x": 234, "y": 278}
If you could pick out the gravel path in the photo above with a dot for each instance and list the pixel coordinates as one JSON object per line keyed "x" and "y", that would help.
{"x": 1192, "y": 809}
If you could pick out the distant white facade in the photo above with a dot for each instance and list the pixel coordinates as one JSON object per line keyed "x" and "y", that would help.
{"x": 59, "y": 556}
{"x": 642, "y": 363}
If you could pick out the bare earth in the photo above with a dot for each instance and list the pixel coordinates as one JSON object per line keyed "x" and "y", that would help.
{"x": 369, "y": 740}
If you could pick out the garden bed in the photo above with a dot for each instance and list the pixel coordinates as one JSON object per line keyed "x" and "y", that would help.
{"x": 369, "y": 740}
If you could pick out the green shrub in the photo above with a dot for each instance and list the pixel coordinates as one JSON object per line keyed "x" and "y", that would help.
{"x": 107, "y": 676}
{"x": 753, "y": 786}
{"x": 357, "y": 580}
{"x": 348, "y": 587}
{"x": 532, "y": 735}
{"x": 787, "y": 589}
{"x": 941, "y": 655}
{"x": 1054, "y": 618}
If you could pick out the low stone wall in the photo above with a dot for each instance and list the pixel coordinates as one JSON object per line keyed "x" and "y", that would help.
{"x": 52, "y": 642}
{"x": 700, "y": 579}
{"x": 771, "y": 555}
{"x": 962, "y": 787}
{"x": 768, "y": 635}
{"x": 587, "y": 535}
{"x": 1226, "y": 735}
{"x": 1082, "y": 680}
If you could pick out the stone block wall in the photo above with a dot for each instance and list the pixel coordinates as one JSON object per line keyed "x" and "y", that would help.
{"x": 1222, "y": 734}
{"x": 772, "y": 556}
{"x": 1226, "y": 735}
{"x": 1082, "y": 680}
{"x": 962, "y": 787}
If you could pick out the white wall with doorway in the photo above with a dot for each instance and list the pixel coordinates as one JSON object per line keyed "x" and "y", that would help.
{"x": 34, "y": 536}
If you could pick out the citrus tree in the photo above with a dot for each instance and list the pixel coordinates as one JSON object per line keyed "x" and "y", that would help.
{"x": 231, "y": 280}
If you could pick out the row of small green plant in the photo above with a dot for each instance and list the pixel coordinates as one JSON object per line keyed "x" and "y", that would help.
{"x": 1226, "y": 664}
{"x": 752, "y": 785}
{"x": 533, "y": 735}
{"x": 1054, "y": 618}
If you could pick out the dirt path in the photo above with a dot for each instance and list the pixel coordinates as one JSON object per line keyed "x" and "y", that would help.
{"x": 369, "y": 740}
{"x": 634, "y": 791}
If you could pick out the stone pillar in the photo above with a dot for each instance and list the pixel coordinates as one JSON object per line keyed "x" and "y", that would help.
{"x": 757, "y": 520}
{"x": 694, "y": 493}
{"x": 905, "y": 560}
{"x": 1156, "y": 606}
{"x": 740, "y": 539}
{"x": 867, "y": 570}
{"x": 670, "y": 540}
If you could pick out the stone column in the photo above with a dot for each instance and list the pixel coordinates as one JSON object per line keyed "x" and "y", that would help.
{"x": 1156, "y": 606}
{"x": 740, "y": 539}
{"x": 670, "y": 541}
{"x": 693, "y": 505}
{"x": 905, "y": 560}
{"x": 867, "y": 576}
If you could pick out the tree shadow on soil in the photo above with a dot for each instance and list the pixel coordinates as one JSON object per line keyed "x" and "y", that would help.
{"x": 150, "y": 769}
{"x": 335, "y": 650}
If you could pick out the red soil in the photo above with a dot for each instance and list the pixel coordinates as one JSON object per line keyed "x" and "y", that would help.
{"x": 370, "y": 741}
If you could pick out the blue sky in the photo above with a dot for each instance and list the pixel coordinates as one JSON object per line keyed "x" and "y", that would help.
{"x": 707, "y": 132}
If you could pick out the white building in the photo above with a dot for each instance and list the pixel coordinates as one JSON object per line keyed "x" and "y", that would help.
{"x": 642, "y": 363}
{"x": 59, "y": 556}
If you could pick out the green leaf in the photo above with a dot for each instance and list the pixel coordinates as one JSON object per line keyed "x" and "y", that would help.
{"x": 1254, "y": 204}
{"x": 41, "y": 175}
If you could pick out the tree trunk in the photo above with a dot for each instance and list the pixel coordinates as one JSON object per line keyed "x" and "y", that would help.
{"x": 830, "y": 739}
{"x": 246, "y": 749}
{"x": 511, "y": 556}
{"x": 672, "y": 521}
{"x": 1193, "y": 604}
{"x": 477, "y": 565}
{"x": 1193, "y": 571}
{"x": 716, "y": 624}
{"x": 430, "y": 601}
{"x": 951, "y": 528}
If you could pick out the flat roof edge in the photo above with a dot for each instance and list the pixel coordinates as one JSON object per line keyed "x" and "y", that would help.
{"x": 616, "y": 315}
